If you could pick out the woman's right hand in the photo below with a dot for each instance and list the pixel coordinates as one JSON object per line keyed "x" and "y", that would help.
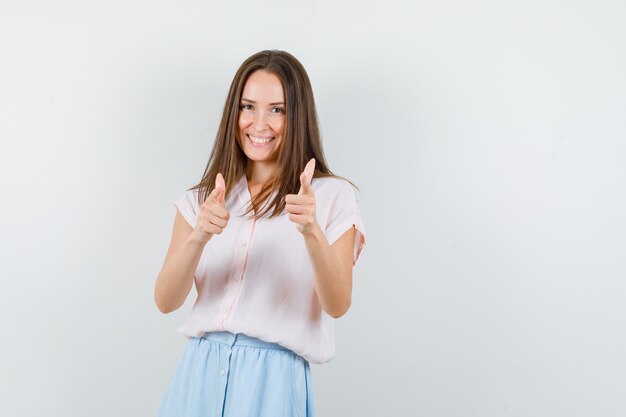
{"x": 213, "y": 216}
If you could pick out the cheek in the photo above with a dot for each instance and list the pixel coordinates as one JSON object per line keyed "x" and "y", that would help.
{"x": 279, "y": 126}
{"x": 242, "y": 121}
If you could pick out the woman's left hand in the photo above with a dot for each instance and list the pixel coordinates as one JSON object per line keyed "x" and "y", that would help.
{"x": 301, "y": 206}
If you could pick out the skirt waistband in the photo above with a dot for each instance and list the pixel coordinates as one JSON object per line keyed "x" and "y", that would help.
{"x": 240, "y": 339}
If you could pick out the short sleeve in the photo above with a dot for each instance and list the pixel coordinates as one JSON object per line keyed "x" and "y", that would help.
{"x": 188, "y": 207}
{"x": 343, "y": 214}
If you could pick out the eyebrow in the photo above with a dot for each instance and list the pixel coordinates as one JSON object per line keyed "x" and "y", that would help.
{"x": 254, "y": 102}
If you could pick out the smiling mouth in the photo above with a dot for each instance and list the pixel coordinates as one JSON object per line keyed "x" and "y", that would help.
{"x": 259, "y": 141}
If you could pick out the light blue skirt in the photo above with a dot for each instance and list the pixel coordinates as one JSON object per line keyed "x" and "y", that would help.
{"x": 223, "y": 374}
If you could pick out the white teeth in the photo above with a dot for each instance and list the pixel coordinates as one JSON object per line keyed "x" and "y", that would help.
{"x": 259, "y": 141}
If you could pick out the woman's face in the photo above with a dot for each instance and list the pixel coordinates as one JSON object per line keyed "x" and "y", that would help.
{"x": 262, "y": 116}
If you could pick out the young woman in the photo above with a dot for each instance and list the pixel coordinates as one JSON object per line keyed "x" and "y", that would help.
{"x": 270, "y": 236}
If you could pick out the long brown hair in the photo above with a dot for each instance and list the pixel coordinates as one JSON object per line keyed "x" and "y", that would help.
{"x": 301, "y": 141}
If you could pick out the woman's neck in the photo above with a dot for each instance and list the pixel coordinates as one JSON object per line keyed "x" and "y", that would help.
{"x": 259, "y": 172}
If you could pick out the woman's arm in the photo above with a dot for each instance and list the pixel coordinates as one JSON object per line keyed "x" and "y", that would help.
{"x": 332, "y": 267}
{"x": 177, "y": 274}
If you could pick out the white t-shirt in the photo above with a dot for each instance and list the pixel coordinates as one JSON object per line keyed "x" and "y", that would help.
{"x": 256, "y": 277}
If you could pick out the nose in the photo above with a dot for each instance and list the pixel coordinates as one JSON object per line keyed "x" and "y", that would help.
{"x": 260, "y": 122}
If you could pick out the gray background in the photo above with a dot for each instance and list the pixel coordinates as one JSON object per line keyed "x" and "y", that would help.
{"x": 488, "y": 140}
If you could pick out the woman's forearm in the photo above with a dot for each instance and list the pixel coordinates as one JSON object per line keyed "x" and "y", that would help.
{"x": 332, "y": 281}
{"x": 177, "y": 275}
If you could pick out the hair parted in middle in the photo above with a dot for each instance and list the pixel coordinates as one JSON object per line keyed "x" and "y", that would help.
{"x": 301, "y": 141}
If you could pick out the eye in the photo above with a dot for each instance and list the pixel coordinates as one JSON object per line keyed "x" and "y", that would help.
{"x": 246, "y": 107}
{"x": 278, "y": 110}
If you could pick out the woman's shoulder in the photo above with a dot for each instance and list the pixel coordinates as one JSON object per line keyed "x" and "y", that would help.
{"x": 332, "y": 188}
{"x": 190, "y": 198}
{"x": 330, "y": 184}
{"x": 192, "y": 194}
